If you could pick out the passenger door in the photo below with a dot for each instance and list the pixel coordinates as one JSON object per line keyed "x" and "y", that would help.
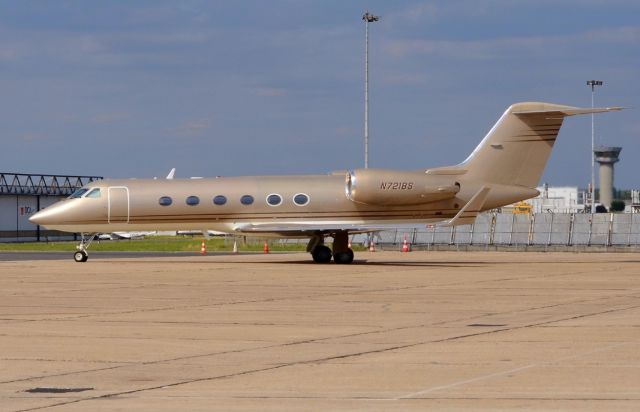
{"x": 118, "y": 204}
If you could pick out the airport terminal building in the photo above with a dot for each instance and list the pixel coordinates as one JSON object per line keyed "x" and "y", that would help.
{"x": 22, "y": 195}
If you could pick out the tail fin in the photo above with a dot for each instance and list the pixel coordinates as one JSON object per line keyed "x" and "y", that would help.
{"x": 516, "y": 149}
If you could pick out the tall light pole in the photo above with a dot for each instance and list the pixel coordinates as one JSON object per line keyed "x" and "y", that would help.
{"x": 593, "y": 84}
{"x": 368, "y": 18}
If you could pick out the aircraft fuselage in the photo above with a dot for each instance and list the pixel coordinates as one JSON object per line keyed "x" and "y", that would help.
{"x": 188, "y": 204}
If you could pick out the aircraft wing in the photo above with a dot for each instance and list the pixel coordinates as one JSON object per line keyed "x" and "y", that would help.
{"x": 307, "y": 229}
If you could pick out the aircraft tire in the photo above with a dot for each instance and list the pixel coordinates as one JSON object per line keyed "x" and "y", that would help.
{"x": 343, "y": 258}
{"x": 321, "y": 254}
{"x": 80, "y": 256}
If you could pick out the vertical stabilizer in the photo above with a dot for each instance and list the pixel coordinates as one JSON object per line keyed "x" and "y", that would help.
{"x": 516, "y": 149}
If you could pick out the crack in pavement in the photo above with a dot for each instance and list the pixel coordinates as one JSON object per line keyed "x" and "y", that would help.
{"x": 327, "y": 359}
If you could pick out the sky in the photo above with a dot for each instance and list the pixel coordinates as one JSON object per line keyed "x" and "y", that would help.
{"x": 252, "y": 87}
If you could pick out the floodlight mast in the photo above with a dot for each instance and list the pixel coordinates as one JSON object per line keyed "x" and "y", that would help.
{"x": 593, "y": 84}
{"x": 368, "y": 18}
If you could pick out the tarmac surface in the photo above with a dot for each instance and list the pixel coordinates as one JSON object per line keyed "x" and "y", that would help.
{"x": 394, "y": 331}
{"x": 37, "y": 255}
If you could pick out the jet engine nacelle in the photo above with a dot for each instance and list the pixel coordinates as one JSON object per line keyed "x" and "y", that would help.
{"x": 397, "y": 188}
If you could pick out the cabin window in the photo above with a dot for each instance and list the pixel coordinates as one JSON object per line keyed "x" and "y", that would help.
{"x": 219, "y": 200}
{"x": 246, "y": 199}
{"x": 165, "y": 201}
{"x": 301, "y": 199}
{"x": 78, "y": 193}
{"x": 274, "y": 199}
{"x": 95, "y": 193}
{"x": 193, "y": 200}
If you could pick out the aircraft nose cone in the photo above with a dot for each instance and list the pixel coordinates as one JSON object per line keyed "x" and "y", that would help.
{"x": 44, "y": 217}
{"x": 38, "y": 218}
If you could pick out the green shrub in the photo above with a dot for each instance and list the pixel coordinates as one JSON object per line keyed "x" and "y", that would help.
{"x": 617, "y": 206}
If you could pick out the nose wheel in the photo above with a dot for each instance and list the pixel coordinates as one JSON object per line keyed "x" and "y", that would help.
{"x": 81, "y": 254}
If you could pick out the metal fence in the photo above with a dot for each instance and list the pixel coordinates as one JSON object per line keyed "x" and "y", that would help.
{"x": 542, "y": 229}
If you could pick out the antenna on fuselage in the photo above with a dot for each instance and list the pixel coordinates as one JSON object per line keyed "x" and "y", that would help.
{"x": 171, "y": 174}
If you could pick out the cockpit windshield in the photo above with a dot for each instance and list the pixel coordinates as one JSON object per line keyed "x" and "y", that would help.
{"x": 78, "y": 193}
{"x": 94, "y": 193}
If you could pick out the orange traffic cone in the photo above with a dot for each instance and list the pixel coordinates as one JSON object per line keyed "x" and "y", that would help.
{"x": 235, "y": 247}
{"x": 405, "y": 245}
{"x": 266, "y": 247}
{"x": 203, "y": 248}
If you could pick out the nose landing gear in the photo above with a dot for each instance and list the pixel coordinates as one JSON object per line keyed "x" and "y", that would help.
{"x": 81, "y": 255}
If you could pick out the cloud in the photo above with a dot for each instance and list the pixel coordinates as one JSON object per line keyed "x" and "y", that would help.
{"x": 633, "y": 129}
{"x": 617, "y": 35}
{"x": 195, "y": 128}
{"x": 434, "y": 11}
{"x": 497, "y": 47}
{"x": 101, "y": 49}
{"x": 59, "y": 47}
{"x": 346, "y": 131}
{"x": 32, "y": 137}
{"x": 414, "y": 14}
{"x": 107, "y": 118}
{"x": 405, "y": 79}
{"x": 8, "y": 53}
{"x": 271, "y": 92}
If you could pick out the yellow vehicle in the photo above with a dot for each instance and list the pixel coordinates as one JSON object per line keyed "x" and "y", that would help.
{"x": 522, "y": 208}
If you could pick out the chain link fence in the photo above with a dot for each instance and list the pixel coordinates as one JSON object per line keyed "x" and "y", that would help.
{"x": 539, "y": 230}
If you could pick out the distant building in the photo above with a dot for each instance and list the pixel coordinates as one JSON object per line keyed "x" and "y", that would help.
{"x": 22, "y": 195}
{"x": 606, "y": 156}
{"x": 634, "y": 207}
{"x": 558, "y": 199}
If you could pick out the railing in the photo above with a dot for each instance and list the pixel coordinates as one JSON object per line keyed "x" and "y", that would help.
{"x": 542, "y": 229}
{"x": 46, "y": 185}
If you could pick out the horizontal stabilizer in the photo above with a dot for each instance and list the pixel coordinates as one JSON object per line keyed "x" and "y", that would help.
{"x": 569, "y": 111}
{"x": 467, "y": 215}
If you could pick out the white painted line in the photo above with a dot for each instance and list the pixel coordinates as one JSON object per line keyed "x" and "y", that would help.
{"x": 493, "y": 375}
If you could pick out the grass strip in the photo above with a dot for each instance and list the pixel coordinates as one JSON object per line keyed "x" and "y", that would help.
{"x": 156, "y": 244}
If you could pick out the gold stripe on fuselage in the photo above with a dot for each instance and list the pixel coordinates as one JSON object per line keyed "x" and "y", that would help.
{"x": 327, "y": 202}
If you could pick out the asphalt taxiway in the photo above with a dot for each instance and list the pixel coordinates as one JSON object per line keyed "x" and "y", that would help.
{"x": 37, "y": 255}
{"x": 394, "y": 331}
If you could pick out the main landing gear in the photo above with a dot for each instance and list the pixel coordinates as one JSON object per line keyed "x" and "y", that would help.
{"x": 81, "y": 255}
{"x": 341, "y": 253}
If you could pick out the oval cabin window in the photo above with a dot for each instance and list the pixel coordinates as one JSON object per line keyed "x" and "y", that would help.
{"x": 193, "y": 200}
{"x": 301, "y": 199}
{"x": 219, "y": 200}
{"x": 165, "y": 201}
{"x": 274, "y": 199}
{"x": 246, "y": 199}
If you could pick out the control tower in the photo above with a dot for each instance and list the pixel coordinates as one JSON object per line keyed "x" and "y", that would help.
{"x": 606, "y": 156}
